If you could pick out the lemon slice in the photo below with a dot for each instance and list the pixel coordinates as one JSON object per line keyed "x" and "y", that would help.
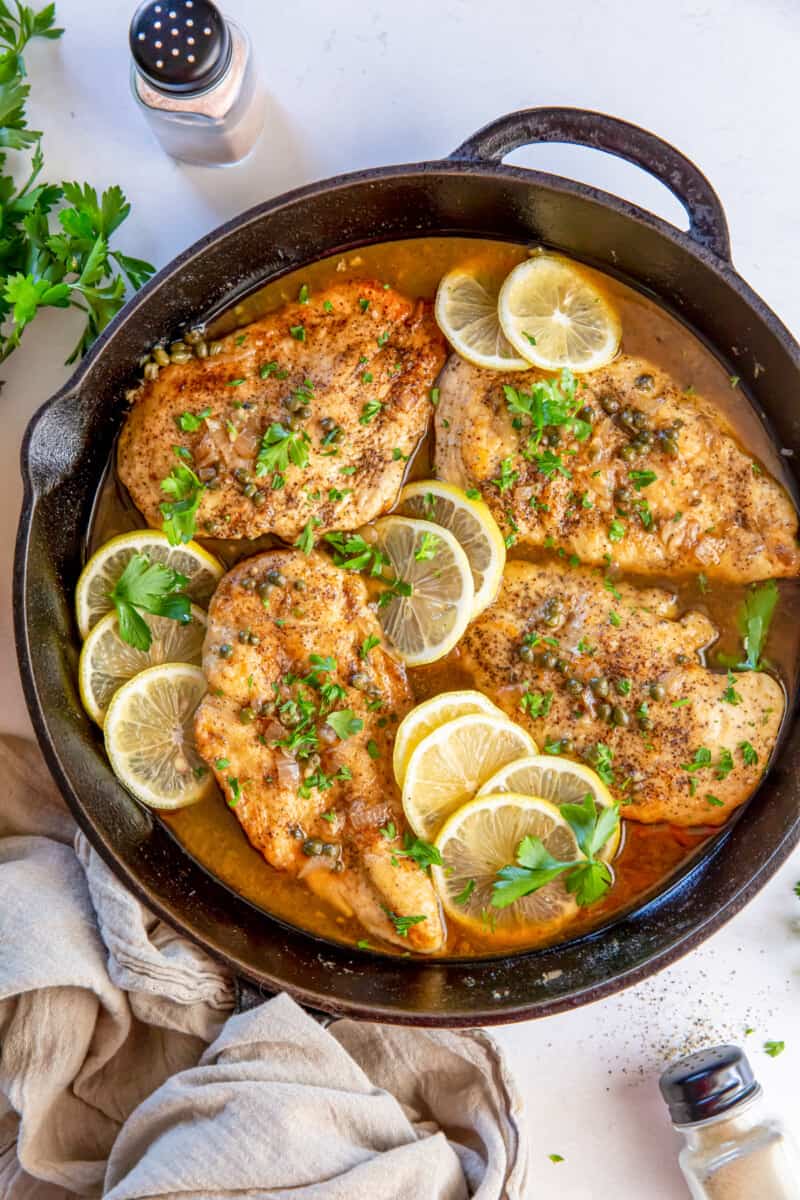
{"x": 451, "y": 763}
{"x": 107, "y": 662}
{"x": 427, "y": 623}
{"x": 105, "y": 567}
{"x": 479, "y": 840}
{"x": 472, "y": 524}
{"x": 466, "y": 313}
{"x": 556, "y": 318}
{"x": 558, "y": 780}
{"x": 428, "y": 716}
{"x": 149, "y": 733}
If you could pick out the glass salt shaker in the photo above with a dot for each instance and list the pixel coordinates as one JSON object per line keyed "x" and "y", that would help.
{"x": 732, "y": 1149}
{"x": 194, "y": 78}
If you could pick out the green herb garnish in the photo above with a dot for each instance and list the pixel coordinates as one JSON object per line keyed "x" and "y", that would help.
{"x": 180, "y": 511}
{"x": 148, "y": 587}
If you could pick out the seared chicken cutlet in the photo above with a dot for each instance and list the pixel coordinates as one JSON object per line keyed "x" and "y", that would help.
{"x": 611, "y": 675}
{"x": 304, "y": 421}
{"x": 650, "y": 475}
{"x": 298, "y": 727}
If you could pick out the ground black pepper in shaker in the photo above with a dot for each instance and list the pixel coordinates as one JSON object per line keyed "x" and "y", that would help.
{"x": 194, "y": 78}
{"x": 733, "y": 1150}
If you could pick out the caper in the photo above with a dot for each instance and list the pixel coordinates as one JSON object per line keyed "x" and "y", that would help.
{"x": 644, "y": 437}
{"x": 604, "y": 711}
{"x": 213, "y": 484}
{"x": 294, "y": 402}
{"x": 161, "y": 356}
{"x": 548, "y": 660}
{"x": 299, "y": 585}
{"x": 312, "y": 846}
{"x": 640, "y": 419}
{"x": 244, "y": 635}
{"x": 248, "y": 583}
{"x": 681, "y": 659}
{"x": 645, "y": 723}
{"x": 599, "y": 685}
{"x": 527, "y": 653}
{"x": 295, "y": 423}
{"x": 629, "y": 451}
{"x": 330, "y": 849}
{"x": 215, "y": 348}
{"x": 249, "y": 489}
{"x": 586, "y": 413}
{"x": 264, "y": 590}
{"x": 266, "y": 708}
{"x": 361, "y": 681}
{"x": 151, "y": 370}
{"x": 296, "y": 831}
{"x": 644, "y": 383}
{"x": 623, "y": 496}
{"x": 193, "y": 336}
{"x": 610, "y": 405}
{"x": 574, "y": 687}
{"x": 259, "y": 497}
{"x": 628, "y": 418}
{"x": 562, "y": 666}
{"x": 180, "y": 356}
{"x": 567, "y": 745}
{"x": 657, "y": 691}
{"x": 206, "y": 474}
{"x": 240, "y": 475}
{"x": 619, "y": 716}
{"x": 201, "y": 349}
{"x": 246, "y": 715}
{"x": 225, "y": 650}
{"x": 327, "y": 424}
{"x": 276, "y": 577}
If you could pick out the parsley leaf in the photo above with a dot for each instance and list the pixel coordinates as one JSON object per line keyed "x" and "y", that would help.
{"x": 191, "y": 422}
{"x": 279, "y": 447}
{"x": 730, "y": 695}
{"x": 344, "y": 723}
{"x": 305, "y": 541}
{"x": 642, "y": 479}
{"x": 773, "y": 1049}
{"x": 423, "y": 853}
{"x": 368, "y": 644}
{"x": 402, "y": 924}
{"x": 749, "y": 753}
{"x": 427, "y": 548}
{"x": 536, "y": 704}
{"x": 150, "y": 587}
{"x": 753, "y": 620}
{"x": 180, "y": 511}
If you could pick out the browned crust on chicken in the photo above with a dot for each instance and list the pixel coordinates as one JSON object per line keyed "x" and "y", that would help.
{"x": 272, "y": 632}
{"x": 365, "y": 350}
{"x": 566, "y": 614}
{"x": 710, "y": 508}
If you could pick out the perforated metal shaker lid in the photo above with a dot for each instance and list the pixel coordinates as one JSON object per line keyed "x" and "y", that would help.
{"x": 181, "y": 46}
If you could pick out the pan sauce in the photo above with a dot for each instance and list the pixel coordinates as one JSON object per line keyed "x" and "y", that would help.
{"x": 649, "y": 854}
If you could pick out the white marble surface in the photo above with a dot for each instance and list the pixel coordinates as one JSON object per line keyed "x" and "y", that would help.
{"x": 362, "y": 84}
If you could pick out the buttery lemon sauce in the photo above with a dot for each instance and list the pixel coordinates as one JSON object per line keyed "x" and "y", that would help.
{"x": 649, "y": 854}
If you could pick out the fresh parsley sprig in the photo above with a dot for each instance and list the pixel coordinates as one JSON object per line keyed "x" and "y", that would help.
{"x": 180, "y": 511}
{"x": 73, "y": 267}
{"x": 150, "y": 587}
{"x": 754, "y": 620}
{"x": 588, "y": 879}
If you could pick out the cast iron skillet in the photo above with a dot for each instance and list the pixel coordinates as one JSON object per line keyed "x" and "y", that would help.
{"x": 68, "y": 442}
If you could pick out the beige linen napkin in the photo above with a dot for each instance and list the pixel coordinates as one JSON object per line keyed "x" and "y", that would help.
{"x": 123, "y": 1073}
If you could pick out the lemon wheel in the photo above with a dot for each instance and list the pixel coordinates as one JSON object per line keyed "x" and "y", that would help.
{"x": 429, "y": 715}
{"x": 483, "y": 837}
{"x": 107, "y": 662}
{"x": 424, "y": 624}
{"x": 466, "y": 313}
{"x": 470, "y": 522}
{"x": 555, "y": 317}
{"x": 558, "y": 780}
{"x": 104, "y": 568}
{"x": 451, "y": 763}
{"x": 149, "y": 735}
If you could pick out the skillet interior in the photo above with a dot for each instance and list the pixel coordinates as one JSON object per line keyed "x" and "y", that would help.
{"x": 65, "y": 452}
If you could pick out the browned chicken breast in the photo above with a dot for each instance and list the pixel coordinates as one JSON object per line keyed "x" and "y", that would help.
{"x": 304, "y": 421}
{"x": 298, "y": 727}
{"x": 610, "y": 674}
{"x": 651, "y": 477}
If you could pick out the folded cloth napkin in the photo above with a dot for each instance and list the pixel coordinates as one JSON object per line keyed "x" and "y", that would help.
{"x": 123, "y": 1073}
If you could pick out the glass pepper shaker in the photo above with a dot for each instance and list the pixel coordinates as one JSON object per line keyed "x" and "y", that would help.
{"x": 733, "y": 1150}
{"x": 194, "y": 78}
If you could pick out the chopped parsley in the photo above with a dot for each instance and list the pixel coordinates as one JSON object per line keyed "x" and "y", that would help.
{"x": 434, "y": 397}
{"x": 749, "y": 753}
{"x": 730, "y": 695}
{"x": 773, "y": 1049}
{"x": 305, "y": 541}
{"x": 180, "y": 511}
{"x": 344, "y": 723}
{"x": 279, "y": 447}
{"x": 423, "y": 853}
{"x": 368, "y": 644}
{"x": 536, "y": 704}
{"x": 508, "y": 476}
{"x": 615, "y": 619}
{"x": 298, "y": 332}
{"x": 616, "y": 531}
{"x": 369, "y": 411}
{"x": 402, "y": 924}
{"x": 191, "y": 422}
{"x": 427, "y": 548}
{"x": 464, "y": 895}
{"x": 642, "y": 479}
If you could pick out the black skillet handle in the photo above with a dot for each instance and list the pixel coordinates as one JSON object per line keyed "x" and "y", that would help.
{"x": 581, "y": 127}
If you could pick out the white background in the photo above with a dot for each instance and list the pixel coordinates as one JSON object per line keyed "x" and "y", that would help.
{"x": 362, "y": 84}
